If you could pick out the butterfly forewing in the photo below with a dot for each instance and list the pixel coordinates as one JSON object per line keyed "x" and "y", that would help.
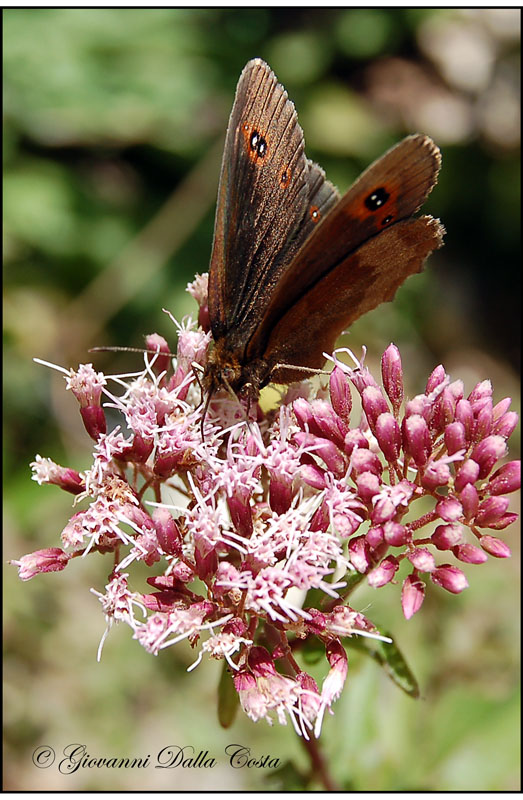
{"x": 262, "y": 199}
{"x": 322, "y": 196}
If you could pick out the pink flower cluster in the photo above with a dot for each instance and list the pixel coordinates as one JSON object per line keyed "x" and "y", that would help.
{"x": 245, "y": 524}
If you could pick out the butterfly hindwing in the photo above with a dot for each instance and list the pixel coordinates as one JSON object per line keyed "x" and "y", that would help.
{"x": 390, "y": 190}
{"x": 377, "y": 269}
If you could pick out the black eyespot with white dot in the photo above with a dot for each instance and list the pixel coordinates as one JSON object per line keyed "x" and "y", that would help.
{"x": 258, "y": 144}
{"x": 377, "y": 199}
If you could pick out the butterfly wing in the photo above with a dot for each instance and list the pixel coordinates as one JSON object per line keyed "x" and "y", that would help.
{"x": 337, "y": 255}
{"x": 262, "y": 197}
{"x": 377, "y": 268}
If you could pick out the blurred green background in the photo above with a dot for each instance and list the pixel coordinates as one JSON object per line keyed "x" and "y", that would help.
{"x": 114, "y": 122}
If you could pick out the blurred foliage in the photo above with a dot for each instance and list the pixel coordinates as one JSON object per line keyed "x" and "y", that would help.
{"x": 113, "y": 127}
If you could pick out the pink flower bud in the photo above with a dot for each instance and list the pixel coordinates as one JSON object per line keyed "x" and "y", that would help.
{"x": 481, "y": 390}
{"x": 326, "y": 450}
{"x": 450, "y": 578}
{"x": 365, "y": 461}
{"x": 327, "y": 423}
{"x": 443, "y": 411}
{"x": 373, "y": 404}
{"x": 491, "y": 510}
{"x": 139, "y": 517}
{"x": 435, "y": 474}
{"x": 139, "y": 451}
{"x": 487, "y": 452}
{"x": 422, "y": 559}
{"x": 167, "y": 532}
{"x": 241, "y": 515}
{"x": 182, "y": 572}
{"x": 244, "y": 682}
{"x": 506, "y": 424}
{"x": 468, "y": 472}
{"x": 94, "y": 421}
{"x": 436, "y": 377}
{"x": 383, "y": 573}
{"x": 333, "y": 683}
{"x": 321, "y": 519}
{"x": 340, "y": 394}
{"x": 392, "y": 376}
{"x": 383, "y": 511}
{"x": 280, "y": 493}
{"x": 455, "y": 437}
{"x": 313, "y": 475}
{"x": 157, "y": 344}
{"x": 469, "y": 553}
{"x": 166, "y": 463}
{"x": 495, "y": 547}
{"x": 412, "y": 595}
{"x": 317, "y": 622}
{"x": 388, "y": 434}
{"x": 416, "y": 438}
{"x": 236, "y": 626}
{"x": 501, "y": 407}
{"x": 447, "y": 536}
{"x": 374, "y": 537}
{"x": 503, "y": 522}
{"x": 368, "y": 485}
{"x": 359, "y": 554}
{"x": 346, "y": 524}
{"x": 418, "y": 405}
{"x": 483, "y": 423}
{"x": 449, "y": 509}
{"x": 456, "y": 390}
{"x": 205, "y": 557}
{"x": 310, "y": 700}
{"x": 395, "y": 534}
{"x": 303, "y": 413}
{"x": 52, "y": 559}
{"x": 361, "y": 378}
{"x": 469, "y": 501}
{"x": 465, "y": 415}
{"x": 506, "y": 479}
{"x": 261, "y": 662}
{"x": 480, "y": 404}
{"x": 355, "y": 438}
{"x": 204, "y": 319}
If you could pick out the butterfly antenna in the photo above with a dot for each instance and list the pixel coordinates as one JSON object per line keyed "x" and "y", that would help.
{"x": 122, "y": 349}
{"x": 205, "y": 410}
{"x": 197, "y": 368}
{"x": 296, "y": 368}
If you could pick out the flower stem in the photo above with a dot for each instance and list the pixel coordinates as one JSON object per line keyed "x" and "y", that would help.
{"x": 319, "y": 766}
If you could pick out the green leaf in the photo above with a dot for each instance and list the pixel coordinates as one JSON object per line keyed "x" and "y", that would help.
{"x": 227, "y": 699}
{"x": 389, "y": 656}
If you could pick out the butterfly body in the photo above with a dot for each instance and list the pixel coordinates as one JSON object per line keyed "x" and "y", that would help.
{"x": 293, "y": 264}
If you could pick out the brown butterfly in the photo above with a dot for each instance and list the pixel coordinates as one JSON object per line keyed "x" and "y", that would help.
{"x": 293, "y": 264}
